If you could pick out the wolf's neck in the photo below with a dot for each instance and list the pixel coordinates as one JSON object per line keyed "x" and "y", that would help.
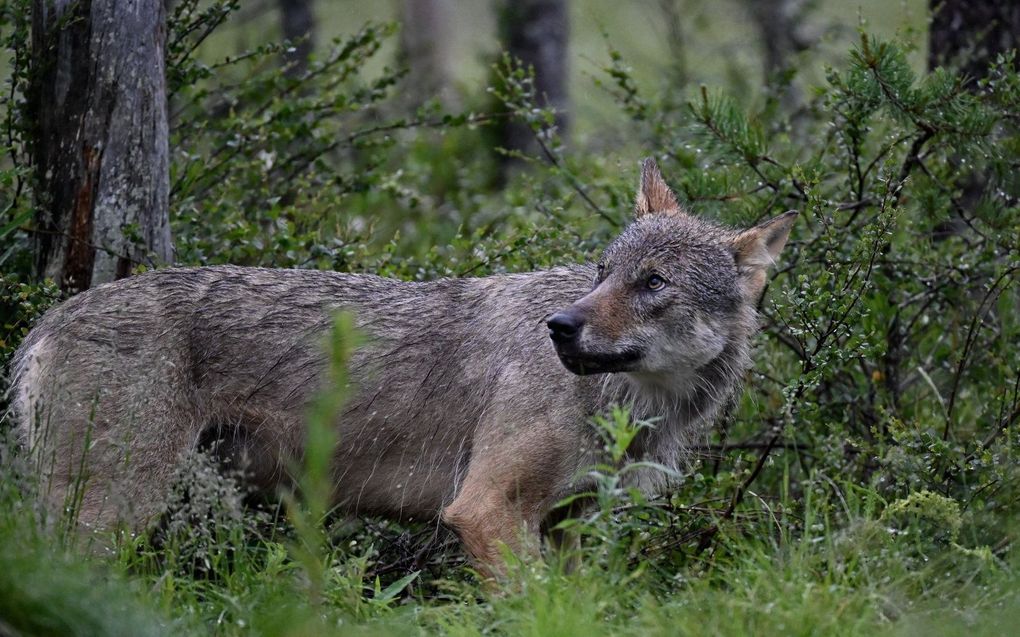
{"x": 681, "y": 410}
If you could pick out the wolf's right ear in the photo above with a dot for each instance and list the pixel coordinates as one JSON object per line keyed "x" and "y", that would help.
{"x": 653, "y": 193}
{"x": 756, "y": 249}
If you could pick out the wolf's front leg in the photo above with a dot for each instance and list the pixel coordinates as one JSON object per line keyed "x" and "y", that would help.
{"x": 508, "y": 490}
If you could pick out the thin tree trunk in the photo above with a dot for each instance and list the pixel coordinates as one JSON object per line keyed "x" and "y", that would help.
{"x": 673, "y": 13}
{"x": 781, "y": 26}
{"x": 969, "y": 34}
{"x": 536, "y": 33}
{"x": 425, "y": 49}
{"x": 100, "y": 148}
{"x": 298, "y": 23}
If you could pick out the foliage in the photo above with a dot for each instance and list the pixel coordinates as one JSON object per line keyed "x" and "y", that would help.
{"x": 865, "y": 481}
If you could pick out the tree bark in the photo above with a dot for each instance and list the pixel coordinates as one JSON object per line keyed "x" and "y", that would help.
{"x": 298, "y": 23}
{"x": 425, "y": 49}
{"x": 969, "y": 34}
{"x": 100, "y": 141}
{"x": 536, "y": 33}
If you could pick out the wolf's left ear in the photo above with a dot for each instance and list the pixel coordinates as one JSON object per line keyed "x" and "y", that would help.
{"x": 653, "y": 193}
{"x": 756, "y": 249}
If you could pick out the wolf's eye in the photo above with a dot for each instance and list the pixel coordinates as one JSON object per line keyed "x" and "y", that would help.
{"x": 655, "y": 282}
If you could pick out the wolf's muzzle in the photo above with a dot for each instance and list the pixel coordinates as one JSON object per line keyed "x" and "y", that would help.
{"x": 565, "y": 331}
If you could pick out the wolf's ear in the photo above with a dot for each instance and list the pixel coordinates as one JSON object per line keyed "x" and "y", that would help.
{"x": 653, "y": 193}
{"x": 756, "y": 249}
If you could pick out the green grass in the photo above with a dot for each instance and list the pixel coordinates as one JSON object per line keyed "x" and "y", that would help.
{"x": 847, "y": 580}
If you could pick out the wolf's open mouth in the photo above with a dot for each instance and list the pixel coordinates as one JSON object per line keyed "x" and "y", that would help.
{"x": 584, "y": 363}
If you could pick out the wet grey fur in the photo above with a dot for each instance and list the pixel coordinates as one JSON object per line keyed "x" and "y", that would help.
{"x": 455, "y": 373}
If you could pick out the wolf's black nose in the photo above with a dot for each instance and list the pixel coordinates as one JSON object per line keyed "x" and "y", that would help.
{"x": 564, "y": 327}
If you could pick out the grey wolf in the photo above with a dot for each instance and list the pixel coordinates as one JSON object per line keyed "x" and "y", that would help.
{"x": 474, "y": 396}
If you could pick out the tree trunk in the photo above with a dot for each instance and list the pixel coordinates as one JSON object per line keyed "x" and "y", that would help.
{"x": 100, "y": 143}
{"x": 673, "y": 14}
{"x": 969, "y": 34}
{"x": 536, "y": 33}
{"x": 425, "y": 49}
{"x": 298, "y": 23}
{"x": 781, "y": 24}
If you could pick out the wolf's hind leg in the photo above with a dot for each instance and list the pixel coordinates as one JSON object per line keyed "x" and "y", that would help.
{"x": 113, "y": 475}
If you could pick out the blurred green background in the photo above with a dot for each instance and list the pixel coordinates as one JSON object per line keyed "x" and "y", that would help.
{"x": 721, "y": 44}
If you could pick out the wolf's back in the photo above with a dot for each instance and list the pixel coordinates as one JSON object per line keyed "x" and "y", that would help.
{"x": 129, "y": 326}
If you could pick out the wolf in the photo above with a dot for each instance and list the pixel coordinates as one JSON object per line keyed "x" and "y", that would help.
{"x": 474, "y": 396}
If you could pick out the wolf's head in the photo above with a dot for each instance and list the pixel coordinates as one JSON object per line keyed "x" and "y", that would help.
{"x": 672, "y": 293}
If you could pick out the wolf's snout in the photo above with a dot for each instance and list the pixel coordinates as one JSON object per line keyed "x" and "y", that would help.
{"x": 564, "y": 327}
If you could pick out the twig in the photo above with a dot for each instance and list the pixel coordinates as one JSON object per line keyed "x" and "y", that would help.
{"x": 738, "y": 495}
{"x": 972, "y": 333}
{"x": 574, "y": 183}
